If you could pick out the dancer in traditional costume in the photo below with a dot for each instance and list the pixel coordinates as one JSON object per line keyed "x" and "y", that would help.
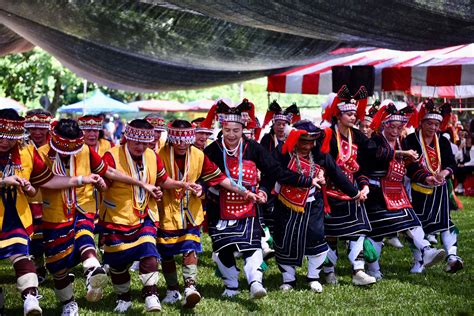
{"x": 431, "y": 204}
{"x": 91, "y": 125}
{"x": 181, "y": 213}
{"x": 202, "y": 133}
{"x": 281, "y": 119}
{"x": 129, "y": 217}
{"x": 159, "y": 126}
{"x": 38, "y": 123}
{"x": 348, "y": 219}
{"x": 388, "y": 206}
{"x": 22, "y": 171}
{"x": 299, "y": 212}
{"x": 364, "y": 125}
{"x": 234, "y": 224}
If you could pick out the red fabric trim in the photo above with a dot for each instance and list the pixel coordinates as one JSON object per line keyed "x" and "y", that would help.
{"x": 310, "y": 83}
{"x": 396, "y": 78}
{"x": 443, "y": 75}
{"x": 276, "y": 83}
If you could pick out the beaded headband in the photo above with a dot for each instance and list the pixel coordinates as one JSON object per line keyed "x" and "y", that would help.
{"x": 179, "y": 135}
{"x": 38, "y": 121}
{"x": 12, "y": 129}
{"x": 158, "y": 123}
{"x": 94, "y": 123}
{"x": 143, "y": 135}
{"x": 66, "y": 146}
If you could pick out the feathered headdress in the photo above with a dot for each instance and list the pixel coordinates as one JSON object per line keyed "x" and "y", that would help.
{"x": 394, "y": 111}
{"x": 275, "y": 112}
{"x": 244, "y": 114}
{"x": 345, "y": 102}
{"x": 429, "y": 111}
{"x": 306, "y": 130}
{"x": 372, "y": 111}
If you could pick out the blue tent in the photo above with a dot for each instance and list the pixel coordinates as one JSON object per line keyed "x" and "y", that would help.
{"x": 98, "y": 103}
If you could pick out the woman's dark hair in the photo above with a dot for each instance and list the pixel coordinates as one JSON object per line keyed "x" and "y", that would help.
{"x": 181, "y": 124}
{"x": 68, "y": 128}
{"x": 140, "y": 123}
{"x": 10, "y": 114}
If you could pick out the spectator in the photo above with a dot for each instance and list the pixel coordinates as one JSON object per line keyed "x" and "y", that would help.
{"x": 466, "y": 164}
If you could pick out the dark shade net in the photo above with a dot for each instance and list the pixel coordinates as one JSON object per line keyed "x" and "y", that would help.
{"x": 154, "y": 45}
{"x": 394, "y": 24}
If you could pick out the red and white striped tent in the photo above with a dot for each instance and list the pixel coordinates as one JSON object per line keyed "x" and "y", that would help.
{"x": 447, "y": 72}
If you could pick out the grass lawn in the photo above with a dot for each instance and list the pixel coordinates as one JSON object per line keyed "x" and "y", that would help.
{"x": 432, "y": 293}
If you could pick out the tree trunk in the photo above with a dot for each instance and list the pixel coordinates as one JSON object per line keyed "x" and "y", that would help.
{"x": 53, "y": 107}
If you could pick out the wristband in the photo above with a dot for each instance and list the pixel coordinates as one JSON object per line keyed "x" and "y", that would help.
{"x": 79, "y": 180}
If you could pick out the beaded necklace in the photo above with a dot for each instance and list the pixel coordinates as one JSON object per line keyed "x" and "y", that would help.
{"x": 179, "y": 193}
{"x": 68, "y": 195}
{"x": 344, "y": 156}
{"x": 428, "y": 161}
{"x": 231, "y": 153}
{"x": 140, "y": 197}
{"x": 312, "y": 165}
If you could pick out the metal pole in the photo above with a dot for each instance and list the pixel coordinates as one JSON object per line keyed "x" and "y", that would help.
{"x": 84, "y": 97}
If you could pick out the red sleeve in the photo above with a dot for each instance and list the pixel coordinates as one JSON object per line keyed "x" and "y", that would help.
{"x": 211, "y": 174}
{"x": 98, "y": 166}
{"x": 161, "y": 174}
{"x": 40, "y": 174}
{"x": 109, "y": 160}
{"x": 112, "y": 144}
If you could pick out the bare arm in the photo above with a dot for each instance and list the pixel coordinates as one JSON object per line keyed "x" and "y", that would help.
{"x": 172, "y": 184}
{"x": 61, "y": 182}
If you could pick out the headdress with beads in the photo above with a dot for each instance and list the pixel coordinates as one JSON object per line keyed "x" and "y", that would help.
{"x": 65, "y": 146}
{"x": 244, "y": 114}
{"x": 143, "y": 135}
{"x": 38, "y": 121}
{"x": 12, "y": 129}
{"x": 181, "y": 135}
{"x": 394, "y": 111}
{"x": 90, "y": 122}
{"x": 158, "y": 123}
{"x": 200, "y": 129}
{"x": 345, "y": 102}
{"x": 275, "y": 112}
{"x": 430, "y": 111}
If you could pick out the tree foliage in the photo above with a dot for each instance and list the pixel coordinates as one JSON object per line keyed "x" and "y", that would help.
{"x": 36, "y": 79}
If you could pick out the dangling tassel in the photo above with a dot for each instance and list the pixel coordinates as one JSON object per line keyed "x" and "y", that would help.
{"x": 326, "y": 145}
{"x": 414, "y": 119}
{"x": 378, "y": 118}
{"x": 293, "y": 207}
{"x": 327, "y": 207}
{"x": 361, "y": 106}
{"x": 329, "y": 113}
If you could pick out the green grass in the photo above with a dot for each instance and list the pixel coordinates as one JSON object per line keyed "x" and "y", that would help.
{"x": 432, "y": 293}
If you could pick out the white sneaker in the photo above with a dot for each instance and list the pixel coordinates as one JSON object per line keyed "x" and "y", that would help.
{"x": 172, "y": 296}
{"x": 122, "y": 306}
{"x": 459, "y": 189}
{"x": 395, "y": 242}
{"x": 454, "y": 264}
{"x": 361, "y": 278}
{"x": 70, "y": 309}
{"x": 417, "y": 267}
{"x": 376, "y": 274}
{"x": 135, "y": 266}
{"x": 31, "y": 306}
{"x": 432, "y": 239}
{"x": 95, "y": 282}
{"x": 191, "y": 297}
{"x": 257, "y": 290}
{"x": 330, "y": 278}
{"x": 152, "y": 303}
{"x": 432, "y": 256}
{"x": 285, "y": 287}
{"x": 315, "y": 286}
{"x": 230, "y": 293}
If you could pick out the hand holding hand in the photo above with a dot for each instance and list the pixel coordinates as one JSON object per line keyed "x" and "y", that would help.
{"x": 261, "y": 197}
{"x": 432, "y": 181}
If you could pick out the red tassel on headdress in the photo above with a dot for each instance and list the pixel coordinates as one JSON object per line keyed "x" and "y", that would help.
{"x": 211, "y": 115}
{"x": 444, "y": 123}
{"x": 414, "y": 119}
{"x": 326, "y": 145}
{"x": 361, "y": 106}
{"x": 258, "y": 131}
{"x": 331, "y": 110}
{"x": 251, "y": 112}
{"x": 378, "y": 118}
{"x": 292, "y": 139}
